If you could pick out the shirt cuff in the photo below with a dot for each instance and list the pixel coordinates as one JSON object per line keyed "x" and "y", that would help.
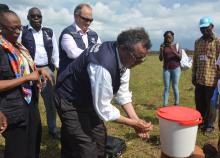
{"x": 121, "y": 100}
{"x": 110, "y": 115}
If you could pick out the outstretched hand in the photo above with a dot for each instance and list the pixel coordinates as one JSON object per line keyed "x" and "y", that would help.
{"x": 45, "y": 75}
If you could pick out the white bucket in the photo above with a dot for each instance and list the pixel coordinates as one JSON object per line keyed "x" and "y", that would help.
{"x": 177, "y": 138}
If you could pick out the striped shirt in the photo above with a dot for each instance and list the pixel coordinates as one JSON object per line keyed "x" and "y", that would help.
{"x": 204, "y": 70}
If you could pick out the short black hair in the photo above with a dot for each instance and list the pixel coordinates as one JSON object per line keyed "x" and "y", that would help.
{"x": 3, "y": 13}
{"x": 131, "y": 37}
{"x": 3, "y": 7}
{"x": 33, "y": 8}
{"x": 167, "y": 32}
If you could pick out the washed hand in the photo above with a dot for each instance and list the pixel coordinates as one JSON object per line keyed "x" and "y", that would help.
{"x": 143, "y": 128}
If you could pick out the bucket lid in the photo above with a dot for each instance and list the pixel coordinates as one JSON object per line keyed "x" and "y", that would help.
{"x": 180, "y": 114}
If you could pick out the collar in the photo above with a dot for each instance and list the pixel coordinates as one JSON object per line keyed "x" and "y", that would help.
{"x": 31, "y": 28}
{"x": 79, "y": 30}
{"x": 119, "y": 61}
{"x": 209, "y": 39}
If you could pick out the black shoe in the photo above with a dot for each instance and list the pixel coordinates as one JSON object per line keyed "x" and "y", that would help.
{"x": 55, "y": 135}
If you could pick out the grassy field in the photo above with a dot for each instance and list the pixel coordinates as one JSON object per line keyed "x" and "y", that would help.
{"x": 146, "y": 85}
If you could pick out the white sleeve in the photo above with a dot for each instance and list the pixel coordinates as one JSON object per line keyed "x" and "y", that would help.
{"x": 69, "y": 45}
{"x": 55, "y": 53}
{"x": 123, "y": 95}
{"x": 102, "y": 93}
{"x": 99, "y": 41}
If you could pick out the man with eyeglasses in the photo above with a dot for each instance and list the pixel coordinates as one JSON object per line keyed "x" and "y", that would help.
{"x": 204, "y": 72}
{"x": 42, "y": 44}
{"x": 84, "y": 91}
{"x": 77, "y": 37}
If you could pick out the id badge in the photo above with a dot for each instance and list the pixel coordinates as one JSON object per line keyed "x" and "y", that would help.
{"x": 202, "y": 57}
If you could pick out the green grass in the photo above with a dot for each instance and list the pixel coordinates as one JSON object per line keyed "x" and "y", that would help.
{"x": 147, "y": 86}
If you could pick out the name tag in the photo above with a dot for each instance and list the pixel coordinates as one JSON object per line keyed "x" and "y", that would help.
{"x": 202, "y": 57}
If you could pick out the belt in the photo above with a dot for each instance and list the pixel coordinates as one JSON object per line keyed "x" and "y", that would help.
{"x": 40, "y": 66}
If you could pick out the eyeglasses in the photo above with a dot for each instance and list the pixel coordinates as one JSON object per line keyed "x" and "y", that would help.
{"x": 36, "y": 15}
{"x": 12, "y": 29}
{"x": 137, "y": 58}
{"x": 85, "y": 19}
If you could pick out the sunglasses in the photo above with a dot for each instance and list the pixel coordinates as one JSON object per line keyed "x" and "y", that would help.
{"x": 85, "y": 19}
{"x": 36, "y": 16}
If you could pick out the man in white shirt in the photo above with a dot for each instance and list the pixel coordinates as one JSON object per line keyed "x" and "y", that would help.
{"x": 42, "y": 45}
{"x": 84, "y": 91}
{"x": 77, "y": 37}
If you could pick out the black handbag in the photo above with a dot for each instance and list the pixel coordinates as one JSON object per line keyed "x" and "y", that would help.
{"x": 114, "y": 147}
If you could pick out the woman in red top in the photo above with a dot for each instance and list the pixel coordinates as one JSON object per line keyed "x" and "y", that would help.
{"x": 171, "y": 66}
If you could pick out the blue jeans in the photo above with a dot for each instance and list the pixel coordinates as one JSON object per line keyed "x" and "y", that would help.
{"x": 171, "y": 75}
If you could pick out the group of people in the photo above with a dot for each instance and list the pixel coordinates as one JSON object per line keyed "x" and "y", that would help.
{"x": 205, "y": 72}
{"x": 89, "y": 74}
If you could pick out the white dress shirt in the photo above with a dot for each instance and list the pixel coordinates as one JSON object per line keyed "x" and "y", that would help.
{"x": 102, "y": 91}
{"x": 40, "y": 53}
{"x": 69, "y": 45}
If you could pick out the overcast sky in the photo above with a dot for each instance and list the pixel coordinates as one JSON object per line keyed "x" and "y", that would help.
{"x": 113, "y": 16}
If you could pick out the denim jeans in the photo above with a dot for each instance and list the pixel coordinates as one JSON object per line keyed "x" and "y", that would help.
{"x": 171, "y": 75}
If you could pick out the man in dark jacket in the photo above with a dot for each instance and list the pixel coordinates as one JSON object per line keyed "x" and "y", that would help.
{"x": 86, "y": 87}
{"x": 77, "y": 37}
{"x": 42, "y": 45}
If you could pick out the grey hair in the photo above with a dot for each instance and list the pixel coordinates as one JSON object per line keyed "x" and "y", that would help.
{"x": 77, "y": 10}
{"x": 131, "y": 37}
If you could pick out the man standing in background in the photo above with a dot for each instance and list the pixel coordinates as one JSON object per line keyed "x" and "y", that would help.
{"x": 42, "y": 45}
{"x": 77, "y": 37}
{"x": 204, "y": 72}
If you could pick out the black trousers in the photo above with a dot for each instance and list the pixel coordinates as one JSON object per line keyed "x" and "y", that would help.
{"x": 203, "y": 95}
{"x": 23, "y": 140}
{"x": 83, "y": 134}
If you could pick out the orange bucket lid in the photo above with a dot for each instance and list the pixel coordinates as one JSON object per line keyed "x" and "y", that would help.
{"x": 180, "y": 114}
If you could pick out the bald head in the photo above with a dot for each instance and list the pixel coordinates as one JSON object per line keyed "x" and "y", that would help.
{"x": 35, "y": 18}
{"x": 33, "y": 10}
{"x": 83, "y": 16}
{"x": 79, "y": 7}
